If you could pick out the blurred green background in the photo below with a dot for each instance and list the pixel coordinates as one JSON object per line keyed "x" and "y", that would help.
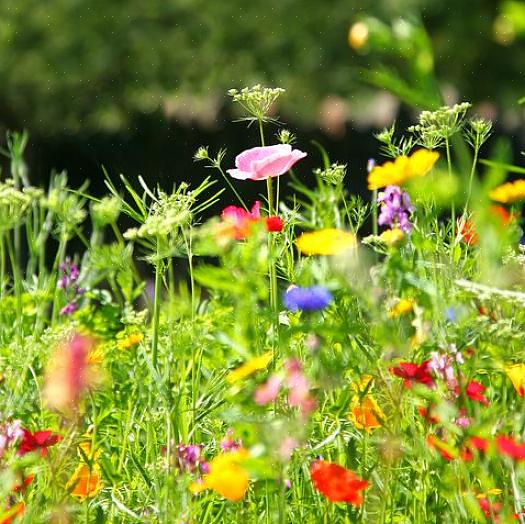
{"x": 137, "y": 85}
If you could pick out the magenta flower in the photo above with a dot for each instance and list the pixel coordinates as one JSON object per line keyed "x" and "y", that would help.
{"x": 259, "y": 163}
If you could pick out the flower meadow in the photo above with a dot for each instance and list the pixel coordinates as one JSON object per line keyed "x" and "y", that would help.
{"x": 310, "y": 356}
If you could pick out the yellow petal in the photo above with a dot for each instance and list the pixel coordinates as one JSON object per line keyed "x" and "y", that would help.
{"x": 250, "y": 367}
{"x": 329, "y": 241}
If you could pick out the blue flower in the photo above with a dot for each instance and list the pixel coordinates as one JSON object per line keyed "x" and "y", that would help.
{"x": 307, "y": 298}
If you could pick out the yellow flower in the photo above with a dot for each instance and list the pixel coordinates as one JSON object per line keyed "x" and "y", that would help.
{"x": 227, "y": 476}
{"x": 391, "y": 237}
{"x": 509, "y": 192}
{"x": 402, "y": 307}
{"x": 130, "y": 341}
{"x": 516, "y": 373}
{"x": 326, "y": 242}
{"x": 95, "y": 357}
{"x": 492, "y": 491}
{"x": 358, "y": 35}
{"x": 403, "y": 168}
{"x": 249, "y": 368}
{"x": 364, "y": 384}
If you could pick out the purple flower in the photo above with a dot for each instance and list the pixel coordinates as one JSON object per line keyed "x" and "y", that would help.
{"x": 307, "y": 298}
{"x": 396, "y": 208}
{"x": 188, "y": 457}
{"x": 69, "y": 274}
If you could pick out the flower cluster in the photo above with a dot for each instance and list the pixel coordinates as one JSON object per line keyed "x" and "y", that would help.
{"x": 396, "y": 209}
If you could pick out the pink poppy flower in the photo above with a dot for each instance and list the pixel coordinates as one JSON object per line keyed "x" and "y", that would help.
{"x": 259, "y": 163}
{"x": 268, "y": 391}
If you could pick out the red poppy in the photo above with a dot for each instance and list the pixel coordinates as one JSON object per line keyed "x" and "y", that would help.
{"x": 38, "y": 441}
{"x": 336, "y": 483}
{"x": 274, "y": 224}
{"x": 502, "y": 214}
{"x": 475, "y": 392}
{"x": 490, "y": 510}
{"x": 508, "y": 446}
{"x": 411, "y": 373}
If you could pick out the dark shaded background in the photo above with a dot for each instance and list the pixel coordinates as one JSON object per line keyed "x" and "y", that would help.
{"x": 137, "y": 86}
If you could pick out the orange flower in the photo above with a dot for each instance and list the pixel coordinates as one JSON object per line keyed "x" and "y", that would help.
{"x": 85, "y": 482}
{"x": 7, "y": 516}
{"x": 336, "y": 483}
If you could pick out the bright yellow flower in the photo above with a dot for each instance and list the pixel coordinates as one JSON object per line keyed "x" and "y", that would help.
{"x": 492, "y": 491}
{"x": 391, "y": 237}
{"x": 403, "y": 168}
{"x": 130, "y": 341}
{"x": 326, "y": 242}
{"x": 516, "y": 373}
{"x": 95, "y": 357}
{"x": 509, "y": 192}
{"x": 402, "y": 307}
{"x": 227, "y": 476}
{"x": 363, "y": 384}
{"x": 249, "y": 368}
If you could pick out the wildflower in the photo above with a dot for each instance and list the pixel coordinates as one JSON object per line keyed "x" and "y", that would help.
{"x": 392, "y": 237}
{"x": 358, "y": 35}
{"x": 410, "y": 373}
{"x": 334, "y": 174}
{"x": 240, "y": 219}
{"x": 188, "y": 457}
{"x": 260, "y": 163}
{"x": 132, "y": 340}
{"x": 428, "y": 415}
{"x": 365, "y": 413}
{"x": 298, "y": 387}
{"x": 508, "y": 446}
{"x": 509, "y": 192}
{"x": 326, "y": 242}
{"x": 442, "y": 365}
{"x": 226, "y": 476}
{"x": 402, "y": 307}
{"x": 38, "y": 441}
{"x": 516, "y": 374}
{"x": 249, "y": 368}
{"x": 69, "y": 274}
{"x": 274, "y": 224}
{"x": 69, "y": 374}
{"x": 337, "y": 483}
{"x": 269, "y": 391}
{"x": 396, "y": 209}
{"x": 257, "y": 101}
{"x": 467, "y": 232}
{"x": 444, "y": 449}
{"x": 9, "y": 434}
{"x": 228, "y": 443}
{"x": 478, "y": 444}
{"x": 86, "y": 481}
{"x": 504, "y": 216}
{"x": 475, "y": 392}
{"x": 8, "y": 515}
{"x": 402, "y": 169}
{"x": 307, "y": 298}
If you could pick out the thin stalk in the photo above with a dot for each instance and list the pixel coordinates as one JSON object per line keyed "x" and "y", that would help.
{"x": 453, "y": 206}
{"x": 374, "y": 212}
{"x": 17, "y": 283}
{"x": 472, "y": 172}
{"x": 156, "y": 308}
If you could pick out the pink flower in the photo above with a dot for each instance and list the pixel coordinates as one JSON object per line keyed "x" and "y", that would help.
{"x": 259, "y": 163}
{"x": 240, "y": 219}
{"x": 298, "y": 387}
{"x": 268, "y": 391}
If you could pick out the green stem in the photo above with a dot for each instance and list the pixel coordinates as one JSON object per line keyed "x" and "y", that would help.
{"x": 374, "y": 212}
{"x": 471, "y": 178}
{"x": 17, "y": 283}
{"x": 453, "y": 206}
{"x": 156, "y": 308}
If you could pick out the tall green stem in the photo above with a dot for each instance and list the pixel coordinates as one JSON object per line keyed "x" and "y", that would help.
{"x": 156, "y": 308}
{"x": 471, "y": 178}
{"x": 453, "y": 206}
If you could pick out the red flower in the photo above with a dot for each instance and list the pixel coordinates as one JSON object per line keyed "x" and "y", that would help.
{"x": 240, "y": 219}
{"x": 474, "y": 443}
{"x": 489, "y": 509}
{"x": 336, "y": 483}
{"x": 445, "y": 450}
{"x": 467, "y": 232}
{"x": 508, "y": 446}
{"x": 12, "y": 512}
{"x": 427, "y": 414}
{"x": 475, "y": 392}
{"x": 411, "y": 373}
{"x": 274, "y": 224}
{"x": 38, "y": 441}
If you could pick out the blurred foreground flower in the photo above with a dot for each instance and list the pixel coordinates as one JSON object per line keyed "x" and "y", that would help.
{"x": 226, "y": 476}
{"x": 326, "y": 242}
{"x": 509, "y": 192}
{"x": 392, "y": 237}
{"x": 402, "y": 307}
{"x": 396, "y": 209}
{"x": 516, "y": 374}
{"x": 414, "y": 373}
{"x": 307, "y": 298}
{"x": 38, "y": 441}
{"x": 237, "y": 221}
{"x": 250, "y": 367}
{"x": 336, "y": 483}
{"x": 508, "y": 446}
{"x": 69, "y": 373}
{"x": 403, "y": 168}
{"x": 260, "y": 163}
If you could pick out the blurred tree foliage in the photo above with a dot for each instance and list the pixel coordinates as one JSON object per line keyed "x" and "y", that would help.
{"x": 78, "y": 65}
